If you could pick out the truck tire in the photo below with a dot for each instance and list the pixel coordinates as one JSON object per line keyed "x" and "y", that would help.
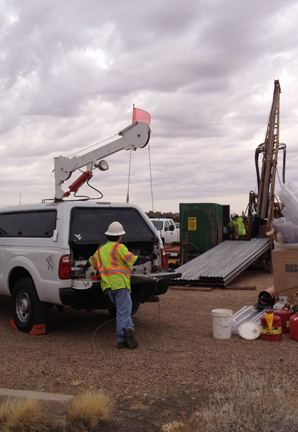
{"x": 28, "y": 310}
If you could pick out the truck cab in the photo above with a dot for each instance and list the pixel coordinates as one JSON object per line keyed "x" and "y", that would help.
{"x": 168, "y": 230}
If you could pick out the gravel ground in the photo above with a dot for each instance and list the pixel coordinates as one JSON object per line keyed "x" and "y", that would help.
{"x": 171, "y": 372}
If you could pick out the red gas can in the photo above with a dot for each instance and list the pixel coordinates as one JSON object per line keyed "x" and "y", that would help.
{"x": 285, "y": 314}
{"x": 276, "y": 332}
{"x": 294, "y": 326}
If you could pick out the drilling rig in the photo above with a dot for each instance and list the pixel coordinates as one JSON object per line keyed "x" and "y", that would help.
{"x": 265, "y": 203}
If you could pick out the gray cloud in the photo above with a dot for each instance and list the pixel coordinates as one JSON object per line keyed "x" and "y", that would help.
{"x": 70, "y": 73}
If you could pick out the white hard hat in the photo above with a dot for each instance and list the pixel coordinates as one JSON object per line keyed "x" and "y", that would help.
{"x": 233, "y": 215}
{"x": 115, "y": 229}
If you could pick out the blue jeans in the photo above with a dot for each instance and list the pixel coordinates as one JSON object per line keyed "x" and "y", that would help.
{"x": 122, "y": 300}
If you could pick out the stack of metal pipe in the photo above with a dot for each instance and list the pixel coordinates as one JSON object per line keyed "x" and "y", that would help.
{"x": 223, "y": 263}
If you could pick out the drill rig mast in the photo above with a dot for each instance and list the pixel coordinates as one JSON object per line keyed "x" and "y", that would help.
{"x": 264, "y": 203}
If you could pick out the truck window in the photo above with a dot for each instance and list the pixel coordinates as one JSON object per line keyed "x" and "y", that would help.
{"x": 28, "y": 224}
{"x": 167, "y": 226}
{"x": 157, "y": 224}
{"x": 88, "y": 225}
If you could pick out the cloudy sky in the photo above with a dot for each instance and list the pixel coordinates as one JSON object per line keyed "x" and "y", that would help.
{"x": 71, "y": 71}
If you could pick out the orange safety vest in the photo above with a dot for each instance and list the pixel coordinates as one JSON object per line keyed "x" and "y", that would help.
{"x": 113, "y": 262}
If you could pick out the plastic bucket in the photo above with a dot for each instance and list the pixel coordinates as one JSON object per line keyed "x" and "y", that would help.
{"x": 222, "y": 323}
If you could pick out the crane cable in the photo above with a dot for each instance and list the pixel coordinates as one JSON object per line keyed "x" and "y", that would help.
{"x": 151, "y": 182}
{"x": 128, "y": 184}
{"x": 92, "y": 145}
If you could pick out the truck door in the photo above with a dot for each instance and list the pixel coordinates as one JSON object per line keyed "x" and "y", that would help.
{"x": 167, "y": 232}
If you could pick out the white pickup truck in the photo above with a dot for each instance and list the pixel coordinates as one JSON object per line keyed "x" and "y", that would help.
{"x": 44, "y": 247}
{"x": 169, "y": 232}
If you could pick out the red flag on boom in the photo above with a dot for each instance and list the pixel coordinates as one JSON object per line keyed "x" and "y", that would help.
{"x": 141, "y": 115}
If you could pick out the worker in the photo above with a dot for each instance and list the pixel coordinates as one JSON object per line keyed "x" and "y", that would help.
{"x": 240, "y": 228}
{"x": 232, "y": 227}
{"x": 113, "y": 261}
{"x": 246, "y": 226}
{"x": 257, "y": 222}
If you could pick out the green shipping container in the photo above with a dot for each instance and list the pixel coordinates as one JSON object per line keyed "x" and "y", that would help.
{"x": 202, "y": 226}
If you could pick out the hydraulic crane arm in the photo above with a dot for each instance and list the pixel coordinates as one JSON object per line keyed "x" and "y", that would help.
{"x": 134, "y": 136}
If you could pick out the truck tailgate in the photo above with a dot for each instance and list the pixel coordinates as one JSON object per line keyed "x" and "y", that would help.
{"x": 154, "y": 277}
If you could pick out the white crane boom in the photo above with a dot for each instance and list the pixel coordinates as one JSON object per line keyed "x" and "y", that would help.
{"x": 134, "y": 136}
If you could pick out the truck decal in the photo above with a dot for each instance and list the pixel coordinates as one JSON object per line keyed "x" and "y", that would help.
{"x": 50, "y": 263}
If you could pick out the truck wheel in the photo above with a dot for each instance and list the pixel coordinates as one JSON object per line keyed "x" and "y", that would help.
{"x": 28, "y": 310}
{"x": 135, "y": 307}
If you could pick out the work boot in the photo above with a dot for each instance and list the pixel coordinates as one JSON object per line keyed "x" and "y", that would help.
{"x": 122, "y": 345}
{"x": 132, "y": 342}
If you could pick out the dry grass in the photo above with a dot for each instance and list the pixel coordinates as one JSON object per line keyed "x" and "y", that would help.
{"x": 23, "y": 415}
{"x": 88, "y": 409}
{"x": 84, "y": 412}
{"x": 259, "y": 401}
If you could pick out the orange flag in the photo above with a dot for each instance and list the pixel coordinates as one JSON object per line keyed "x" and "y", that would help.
{"x": 141, "y": 115}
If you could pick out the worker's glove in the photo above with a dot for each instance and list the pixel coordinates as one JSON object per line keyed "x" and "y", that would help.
{"x": 144, "y": 258}
{"x": 86, "y": 266}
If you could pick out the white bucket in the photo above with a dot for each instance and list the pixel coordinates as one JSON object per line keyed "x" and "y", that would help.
{"x": 222, "y": 323}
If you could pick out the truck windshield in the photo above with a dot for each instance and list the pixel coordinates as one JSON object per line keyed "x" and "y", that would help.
{"x": 157, "y": 224}
{"x": 88, "y": 225}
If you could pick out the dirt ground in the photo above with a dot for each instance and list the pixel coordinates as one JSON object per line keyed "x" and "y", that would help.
{"x": 166, "y": 378}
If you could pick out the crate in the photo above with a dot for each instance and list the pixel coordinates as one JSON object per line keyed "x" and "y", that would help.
{"x": 285, "y": 273}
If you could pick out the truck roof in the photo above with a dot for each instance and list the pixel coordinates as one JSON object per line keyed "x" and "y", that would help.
{"x": 161, "y": 219}
{"x": 71, "y": 204}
